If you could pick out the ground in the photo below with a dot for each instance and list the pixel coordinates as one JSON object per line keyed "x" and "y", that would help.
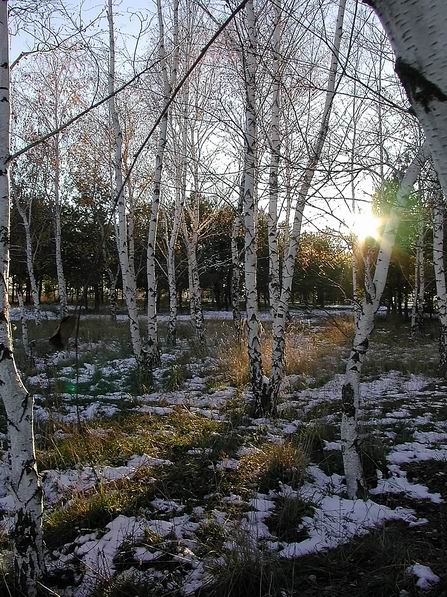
{"x": 167, "y": 486}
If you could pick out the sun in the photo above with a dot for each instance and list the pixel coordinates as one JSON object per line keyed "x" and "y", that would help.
{"x": 366, "y": 225}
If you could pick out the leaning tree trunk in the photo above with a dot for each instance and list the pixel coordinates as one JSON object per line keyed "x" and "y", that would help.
{"x": 259, "y": 382}
{"x": 416, "y": 30}
{"x": 127, "y": 273}
{"x": 374, "y": 287}
{"x": 280, "y": 319}
{"x": 275, "y": 148}
{"x": 24, "y": 481}
{"x": 441, "y": 286}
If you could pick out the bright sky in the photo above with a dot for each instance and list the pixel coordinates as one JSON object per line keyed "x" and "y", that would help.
{"x": 127, "y": 25}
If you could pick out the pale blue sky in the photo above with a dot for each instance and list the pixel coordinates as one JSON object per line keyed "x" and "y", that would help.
{"x": 125, "y": 22}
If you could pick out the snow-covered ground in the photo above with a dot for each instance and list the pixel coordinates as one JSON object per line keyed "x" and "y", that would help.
{"x": 164, "y": 544}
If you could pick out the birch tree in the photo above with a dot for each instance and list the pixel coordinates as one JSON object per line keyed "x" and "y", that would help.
{"x": 416, "y": 31}
{"x": 24, "y": 207}
{"x": 280, "y": 318}
{"x": 417, "y": 311}
{"x": 124, "y": 251}
{"x": 275, "y": 147}
{"x": 440, "y": 278}
{"x": 235, "y": 262}
{"x": 153, "y": 353}
{"x": 24, "y": 482}
{"x": 259, "y": 381}
{"x": 374, "y": 287}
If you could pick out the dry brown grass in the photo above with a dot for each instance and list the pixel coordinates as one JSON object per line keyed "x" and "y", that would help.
{"x": 304, "y": 350}
{"x": 272, "y": 463}
{"x": 115, "y": 440}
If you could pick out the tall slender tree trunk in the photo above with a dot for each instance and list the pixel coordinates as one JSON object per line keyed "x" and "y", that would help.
{"x": 171, "y": 240}
{"x": 236, "y": 251}
{"x": 127, "y": 273}
{"x": 280, "y": 319}
{"x": 62, "y": 287}
{"x": 153, "y": 352}
{"x": 417, "y": 311}
{"x": 374, "y": 287}
{"x": 195, "y": 293}
{"x": 259, "y": 382}
{"x": 29, "y": 253}
{"x": 441, "y": 286}
{"x": 24, "y": 482}
{"x": 275, "y": 147}
{"x": 235, "y": 273}
{"x": 24, "y": 324}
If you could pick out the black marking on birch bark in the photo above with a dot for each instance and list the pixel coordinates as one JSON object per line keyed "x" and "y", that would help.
{"x": 5, "y": 353}
{"x": 418, "y": 88}
{"x": 368, "y": 298}
{"x": 443, "y": 350}
{"x": 24, "y": 406}
{"x": 364, "y": 344}
{"x": 12, "y": 424}
{"x": 356, "y": 357}
{"x": 4, "y": 65}
{"x": 347, "y": 400}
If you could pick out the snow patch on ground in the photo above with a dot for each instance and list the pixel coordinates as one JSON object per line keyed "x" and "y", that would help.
{"x": 426, "y": 577}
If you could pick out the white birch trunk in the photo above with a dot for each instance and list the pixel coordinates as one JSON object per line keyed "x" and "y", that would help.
{"x": 179, "y": 195}
{"x": 24, "y": 324}
{"x": 365, "y": 324}
{"x": 417, "y": 310}
{"x": 127, "y": 273}
{"x": 416, "y": 30}
{"x": 236, "y": 274}
{"x": 170, "y": 260}
{"x": 195, "y": 293}
{"x": 29, "y": 255}
{"x": 24, "y": 481}
{"x": 280, "y": 319}
{"x": 275, "y": 147}
{"x": 259, "y": 382}
{"x": 355, "y": 294}
{"x": 153, "y": 352}
{"x": 62, "y": 287}
{"x": 441, "y": 286}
